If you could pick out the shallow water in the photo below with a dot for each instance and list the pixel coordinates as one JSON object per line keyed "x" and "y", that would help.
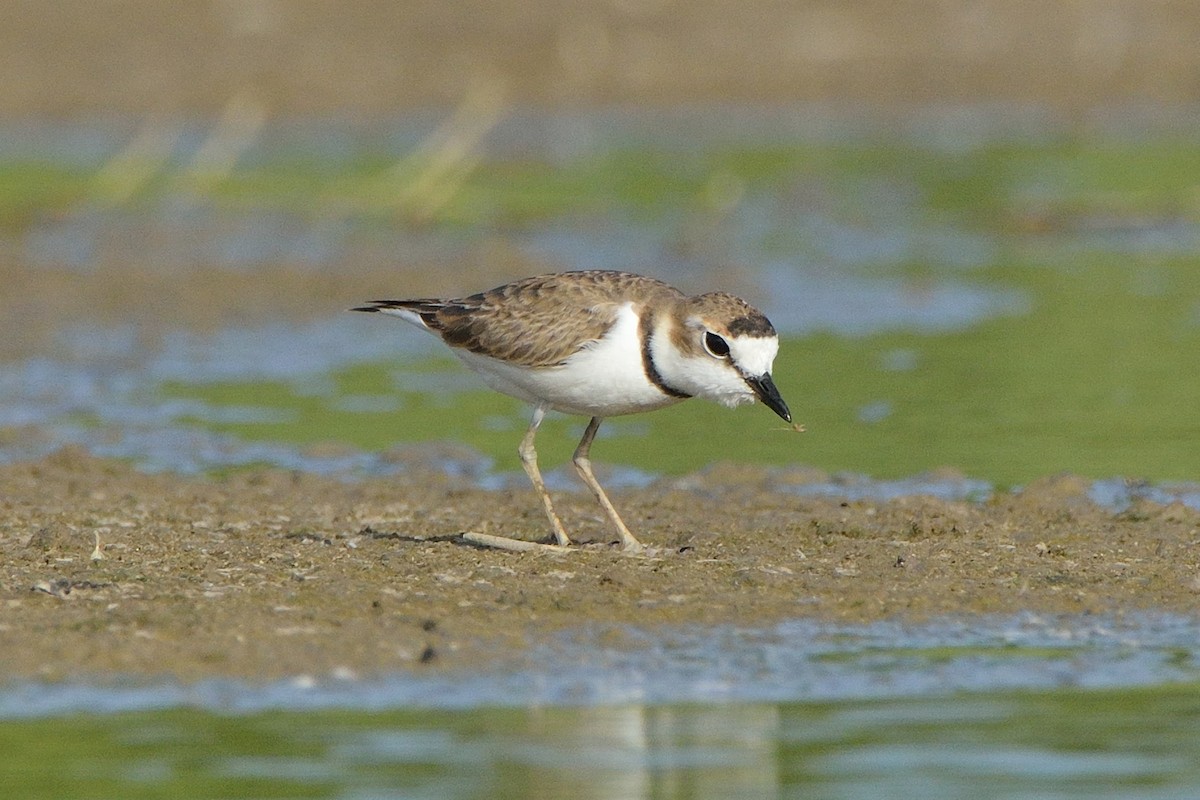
{"x": 981, "y": 290}
{"x": 1068, "y": 744}
{"x": 1002, "y": 707}
{"x": 1008, "y": 299}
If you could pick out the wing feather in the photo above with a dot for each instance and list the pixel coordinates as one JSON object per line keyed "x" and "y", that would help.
{"x": 537, "y": 322}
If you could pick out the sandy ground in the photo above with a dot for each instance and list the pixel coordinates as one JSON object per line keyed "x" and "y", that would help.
{"x": 272, "y": 574}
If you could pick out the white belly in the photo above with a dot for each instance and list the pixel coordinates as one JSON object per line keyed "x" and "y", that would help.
{"x": 604, "y": 380}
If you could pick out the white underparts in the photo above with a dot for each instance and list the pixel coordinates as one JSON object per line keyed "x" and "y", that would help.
{"x": 605, "y": 378}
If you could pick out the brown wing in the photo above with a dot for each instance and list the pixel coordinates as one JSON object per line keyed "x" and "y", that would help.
{"x": 539, "y": 321}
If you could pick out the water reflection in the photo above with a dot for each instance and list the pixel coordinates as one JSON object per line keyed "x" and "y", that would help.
{"x": 1065, "y": 744}
{"x": 1071, "y": 707}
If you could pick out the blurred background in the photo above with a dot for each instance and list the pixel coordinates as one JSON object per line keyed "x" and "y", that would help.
{"x": 975, "y": 222}
{"x": 360, "y": 59}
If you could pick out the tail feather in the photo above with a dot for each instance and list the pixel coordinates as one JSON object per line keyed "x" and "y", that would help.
{"x": 412, "y": 305}
{"x": 417, "y": 312}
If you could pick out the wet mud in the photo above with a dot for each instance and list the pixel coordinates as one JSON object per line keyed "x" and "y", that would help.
{"x": 108, "y": 572}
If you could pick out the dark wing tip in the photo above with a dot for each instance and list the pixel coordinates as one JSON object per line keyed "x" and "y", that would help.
{"x": 379, "y": 305}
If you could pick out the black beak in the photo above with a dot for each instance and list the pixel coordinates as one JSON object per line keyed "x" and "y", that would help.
{"x": 764, "y": 387}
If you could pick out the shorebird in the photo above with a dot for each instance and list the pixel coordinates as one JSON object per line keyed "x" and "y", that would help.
{"x": 601, "y": 343}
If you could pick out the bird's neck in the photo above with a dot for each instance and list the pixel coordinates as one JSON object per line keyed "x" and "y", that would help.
{"x": 661, "y": 358}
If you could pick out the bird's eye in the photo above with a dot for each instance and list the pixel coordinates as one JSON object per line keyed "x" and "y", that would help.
{"x": 715, "y": 345}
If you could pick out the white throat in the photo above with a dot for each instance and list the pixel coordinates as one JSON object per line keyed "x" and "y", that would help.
{"x": 722, "y": 380}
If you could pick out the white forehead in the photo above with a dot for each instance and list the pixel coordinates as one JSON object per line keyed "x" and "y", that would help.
{"x": 753, "y": 355}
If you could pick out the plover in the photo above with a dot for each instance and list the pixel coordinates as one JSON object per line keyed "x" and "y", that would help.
{"x": 600, "y": 343}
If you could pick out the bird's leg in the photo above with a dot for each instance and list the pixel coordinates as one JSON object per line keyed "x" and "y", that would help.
{"x": 583, "y": 465}
{"x": 529, "y": 462}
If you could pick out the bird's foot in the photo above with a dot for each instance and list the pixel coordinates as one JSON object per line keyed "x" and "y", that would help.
{"x": 515, "y": 545}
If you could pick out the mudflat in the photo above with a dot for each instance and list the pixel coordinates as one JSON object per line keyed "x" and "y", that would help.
{"x": 106, "y": 571}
